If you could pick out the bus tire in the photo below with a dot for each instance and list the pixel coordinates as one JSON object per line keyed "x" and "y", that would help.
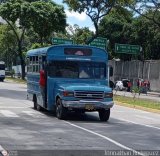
{"x": 60, "y": 109}
{"x": 36, "y": 106}
{"x": 104, "y": 114}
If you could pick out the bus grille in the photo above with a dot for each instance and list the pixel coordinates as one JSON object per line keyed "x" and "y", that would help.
{"x": 89, "y": 94}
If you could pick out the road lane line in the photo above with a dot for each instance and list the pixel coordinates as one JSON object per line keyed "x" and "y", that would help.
{"x": 3, "y": 151}
{"x": 139, "y": 123}
{"x": 8, "y": 113}
{"x": 106, "y": 138}
{"x": 11, "y": 107}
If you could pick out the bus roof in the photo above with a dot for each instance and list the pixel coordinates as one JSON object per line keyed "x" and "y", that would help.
{"x": 44, "y": 50}
{"x": 57, "y": 51}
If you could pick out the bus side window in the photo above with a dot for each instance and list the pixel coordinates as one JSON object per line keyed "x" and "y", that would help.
{"x": 30, "y": 64}
{"x": 36, "y": 64}
{"x": 33, "y": 63}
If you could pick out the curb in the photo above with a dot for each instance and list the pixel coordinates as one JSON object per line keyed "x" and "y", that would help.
{"x": 138, "y": 107}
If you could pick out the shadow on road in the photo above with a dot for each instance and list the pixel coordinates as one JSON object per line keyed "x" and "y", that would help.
{"x": 78, "y": 117}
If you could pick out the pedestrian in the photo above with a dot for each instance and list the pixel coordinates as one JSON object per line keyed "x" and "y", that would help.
{"x": 42, "y": 83}
{"x": 129, "y": 86}
{"x": 138, "y": 83}
{"x": 145, "y": 86}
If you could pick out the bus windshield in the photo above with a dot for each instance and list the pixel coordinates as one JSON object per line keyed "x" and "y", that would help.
{"x": 2, "y": 67}
{"x": 82, "y": 70}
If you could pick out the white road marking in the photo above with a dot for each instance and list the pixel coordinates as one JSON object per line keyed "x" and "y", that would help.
{"x": 106, "y": 138}
{"x": 139, "y": 123}
{"x": 2, "y": 107}
{"x": 3, "y": 151}
{"x": 34, "y": 114}
{"x": 8, "y": 113}
{"x": 145, "y": 117}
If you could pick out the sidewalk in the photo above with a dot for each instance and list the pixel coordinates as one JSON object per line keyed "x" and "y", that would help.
{"x": 150, "y": 95}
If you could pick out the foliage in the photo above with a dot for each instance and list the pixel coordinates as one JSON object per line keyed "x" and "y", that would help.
{"x": 16, "y": 13}
{"x": 49, "y": 18}
{"x": 38, "y": 45}
{"x": 138, "y": 102}
{"x": 8, "y": 45}
{"x": 95, "y": 10}
{"x": 125, "y": 29}
{"x": 142, "y": 7}
{"x": 114, "y": 27}
{"x": 79, "y": 35}
{"x": 146, "y": 33}
{"x": 42, "y": 17}
{"x": 135, "y": 91}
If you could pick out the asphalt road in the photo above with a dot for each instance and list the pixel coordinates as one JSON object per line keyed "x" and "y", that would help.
{"x": 24, "y": 131}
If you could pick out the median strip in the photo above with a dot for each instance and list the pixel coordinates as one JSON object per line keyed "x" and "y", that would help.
{"x": 142, "y": 104}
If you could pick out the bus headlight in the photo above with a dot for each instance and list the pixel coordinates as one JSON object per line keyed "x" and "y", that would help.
{"x": 68, "y": 93}
{"x": 108, "y": 95}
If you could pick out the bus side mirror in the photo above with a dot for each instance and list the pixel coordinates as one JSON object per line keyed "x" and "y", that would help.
{"x": 110, "y": 71}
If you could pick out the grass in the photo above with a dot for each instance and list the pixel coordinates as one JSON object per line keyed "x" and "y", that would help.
{"x": 136, "y": 102}
{"x": 17, "y": 80}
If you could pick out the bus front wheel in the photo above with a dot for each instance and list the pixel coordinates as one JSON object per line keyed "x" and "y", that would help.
{"x": 104, "y": 115}
{"x": 60, "y": 110}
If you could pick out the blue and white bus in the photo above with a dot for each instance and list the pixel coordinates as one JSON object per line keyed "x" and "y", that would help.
{"x": 2, "y": 71}
{"x": 76, "y": 79}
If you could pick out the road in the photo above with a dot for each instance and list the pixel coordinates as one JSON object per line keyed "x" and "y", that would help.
{"x": 23, "y": 128}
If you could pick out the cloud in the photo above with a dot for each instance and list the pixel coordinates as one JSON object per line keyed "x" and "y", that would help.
{"x": 80, "y": 17}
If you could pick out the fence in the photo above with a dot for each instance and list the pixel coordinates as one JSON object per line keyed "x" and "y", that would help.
{"x": 137, "y": 69}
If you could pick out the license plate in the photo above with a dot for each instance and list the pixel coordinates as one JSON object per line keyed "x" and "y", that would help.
{"x": 89, "y": 106}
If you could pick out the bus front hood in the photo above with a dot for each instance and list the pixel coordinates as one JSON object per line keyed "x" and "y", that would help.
{"x": 84, "y": 87}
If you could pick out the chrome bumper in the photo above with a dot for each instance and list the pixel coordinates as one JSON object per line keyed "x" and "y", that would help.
{"x": 82, "y": 103}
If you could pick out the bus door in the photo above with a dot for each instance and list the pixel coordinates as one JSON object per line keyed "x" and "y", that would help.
{"x": 43, "y": 80}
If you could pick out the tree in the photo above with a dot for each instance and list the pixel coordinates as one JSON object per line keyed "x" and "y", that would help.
{"x": 21, "y": 15}
{"x": 95, "y": 10}
{"x": 144, "y": 8}
{"x": 17, "y": 11}
{"x": 146, "y": 33}
{"x": 49, "y": 18}
{"x": 79, "y": 35}
{"x": 126, "y": 29}
{"x": 115, "y": 27}
{"x": 8, "y": 45}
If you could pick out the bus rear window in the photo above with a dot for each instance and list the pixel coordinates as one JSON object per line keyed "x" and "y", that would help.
{"x": 78, "y": 51}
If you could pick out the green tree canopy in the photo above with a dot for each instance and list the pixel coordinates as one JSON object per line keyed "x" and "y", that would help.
{"x": 95, "y": 10}
{"x": 79, "y": 35}
{"x": 49, "y": 18}
{"x": 43, "y": 17}
{"x": 115, "y": 27}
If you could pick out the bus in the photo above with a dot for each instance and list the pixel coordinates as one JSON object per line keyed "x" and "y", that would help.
{"x": 69, "y": 78}
{"x": 2, "y": 71}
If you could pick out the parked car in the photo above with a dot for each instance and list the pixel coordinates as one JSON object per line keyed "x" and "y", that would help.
{"x": 121, "y": 84}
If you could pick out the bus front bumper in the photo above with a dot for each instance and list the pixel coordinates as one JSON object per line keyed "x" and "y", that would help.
{"x": 84, "y": 104}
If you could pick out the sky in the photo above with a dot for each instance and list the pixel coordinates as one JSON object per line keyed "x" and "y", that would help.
{"x": 82, "y": 20}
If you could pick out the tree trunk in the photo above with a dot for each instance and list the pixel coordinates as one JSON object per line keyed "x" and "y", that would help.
{"x": 21, "y": 60}
{"x": 94, "y": 35}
